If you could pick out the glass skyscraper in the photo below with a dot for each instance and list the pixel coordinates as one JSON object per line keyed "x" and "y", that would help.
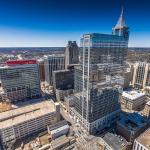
{"x": 99, "y": 78}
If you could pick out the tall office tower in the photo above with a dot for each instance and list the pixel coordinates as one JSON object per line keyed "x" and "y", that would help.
{"x": 71, "y": 53}
{"x": 99, "y": 79}
{"x": 52, "y": 63}
{"x": 20, "y": 80}
{"x": 141, "y": 75}
{"x": 41, "y": 69}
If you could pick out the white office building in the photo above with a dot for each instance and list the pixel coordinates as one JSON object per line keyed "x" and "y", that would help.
{"x": 24, "y": 121}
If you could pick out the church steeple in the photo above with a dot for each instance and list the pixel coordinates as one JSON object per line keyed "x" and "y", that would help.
{"x": 121, "y": 29}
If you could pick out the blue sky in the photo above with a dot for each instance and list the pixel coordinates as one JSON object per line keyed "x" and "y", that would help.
{"x": 45, "y": 23}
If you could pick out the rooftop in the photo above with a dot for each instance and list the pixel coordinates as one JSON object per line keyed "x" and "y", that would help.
{"x": 65, "y": 70}
{"x": 62, "y": 140}
{"x": 132, "y": 121}
{"x": 59, "y": 129}
{"x": 25, "y": 113}
{"x": 115, "y": 141}
{"x": 37, "y": 140}
{"x": 144, "y": 139}
{"x": 132, "y": 95}
{"x": 5, "y": 107}
{"x": 54, "y": 55}
{"x": 148, "y": 103}
{"x": 20, "y": 62}
{"x": 57, "y": 125}
{"x": 17, "y": 66}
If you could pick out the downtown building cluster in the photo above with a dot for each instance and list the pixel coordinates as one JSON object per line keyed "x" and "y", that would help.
{"x": 31, "y": 114}
{"x": 94, "y": 86}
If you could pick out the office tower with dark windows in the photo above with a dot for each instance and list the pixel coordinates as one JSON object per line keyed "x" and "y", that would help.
{"x": 71, "y": 53}
{"x": 41, "y": 69}
{"x": 52, "y": 63}
{"x": 99, "y": 78}
{"x": 20, "y": 80}
{"x": 63, "y": 82}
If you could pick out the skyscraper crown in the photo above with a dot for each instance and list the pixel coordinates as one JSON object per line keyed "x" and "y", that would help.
{"x": 121, "y": 21}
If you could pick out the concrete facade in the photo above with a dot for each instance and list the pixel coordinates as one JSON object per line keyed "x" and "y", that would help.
{"x": 143, "y": 141}
{"x": 133, "y": 100}
{"x": 146, "y": 111}
{"x": 141, "y": 75}
{"x": 24, "y": 121}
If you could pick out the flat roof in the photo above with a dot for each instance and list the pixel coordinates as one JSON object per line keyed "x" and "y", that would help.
{"x": 59, "y": 141}
{"x": 132, "y": 95}
{"x": 144, "y": 139}
{"x": 20, "y": 62}
{"x": 65, "y": 127}
{"x": 17, "y": 66}
{"x": 148, "y": 103}
{"x": 115, "y": 141}
{"x": 57, "y": 125}
{"x": 5, "y": 106}
{"x": 132, "y": 121}
{"x": 54, "y": 55}
{"x": 25, "y": 113}
{"x": 65, "y": 70}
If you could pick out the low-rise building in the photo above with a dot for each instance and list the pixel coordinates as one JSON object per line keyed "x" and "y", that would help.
{"x": 143, "y": 141}
{"x": 131, "y": 125}
{"x": 26, "y": 120}
{"x": 60, "y": 143}
{"x": 133, "y": 100}
{"x": 58, "y": 129}
{"x": 112, "y": 141}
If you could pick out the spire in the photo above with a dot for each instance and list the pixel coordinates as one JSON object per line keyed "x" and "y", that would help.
{"x": 121, "y": 29}
{"x": 121, "y": 21}
{"x": 121, "y": 12}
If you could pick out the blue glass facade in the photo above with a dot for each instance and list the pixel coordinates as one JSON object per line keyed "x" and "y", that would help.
{"x": 96, "y": 98}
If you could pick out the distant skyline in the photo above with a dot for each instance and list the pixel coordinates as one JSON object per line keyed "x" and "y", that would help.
{"x": 51, "y": 23}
